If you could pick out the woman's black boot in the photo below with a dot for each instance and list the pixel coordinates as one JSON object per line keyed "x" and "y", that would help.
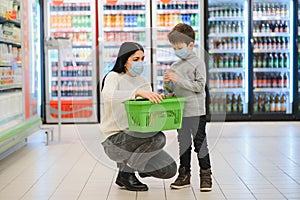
{"x": 126, "y": 178}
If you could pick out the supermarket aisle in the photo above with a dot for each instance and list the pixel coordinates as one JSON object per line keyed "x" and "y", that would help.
{"x": 250, "y": 161}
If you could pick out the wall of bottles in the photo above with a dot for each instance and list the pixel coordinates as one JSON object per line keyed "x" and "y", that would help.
{"x": 72, "y": 20}
{"x": 271, "y": 58}
{"x": 167, "y": 16}
{"x": 226, "y": 47}
{"x": 123, "y": 21}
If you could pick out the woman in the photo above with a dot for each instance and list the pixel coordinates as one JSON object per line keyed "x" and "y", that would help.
{"x": 133, "y": 151}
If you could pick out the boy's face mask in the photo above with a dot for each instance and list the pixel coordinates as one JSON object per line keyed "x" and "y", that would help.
{"x": 136, "y": 69}
{"x": 182, "y": 53}
{"x": 182, "y": 50}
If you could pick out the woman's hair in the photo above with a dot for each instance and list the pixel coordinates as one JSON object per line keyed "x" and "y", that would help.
{"x": 125, "y": 51}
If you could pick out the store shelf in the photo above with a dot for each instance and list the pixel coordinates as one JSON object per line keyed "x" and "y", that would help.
{"x": 168, "y": 28}
{"x": 178, "y": 11}
{"x": 226, "y": 90}
{"x": 78, "y": 78}
{"x": 218, "y": 35}
{"x": 271, "y": 50}
{"x": 8, "y": 64}
{"x": 17, "y": 23}
{"x": 12, "y": 42}
{"x": 273, "y": 90}
{"x": 124, "y": 12}
{"x": 271, "y": 70}
{"x": 10, "y": 87}
{"x": 70, "y": 30}
{"x": 124, "y": 29}
{"x": 217, "y": 51}
{"x": 220, "y": 70}
{"x": 70, "y": 13}
{"x": 270, "y": 18}
{"x": 283, "y": 34}
{"x": 226, "y": 19}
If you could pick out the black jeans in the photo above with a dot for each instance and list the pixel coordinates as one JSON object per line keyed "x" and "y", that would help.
{"x": 142, "y": 152}
{"x": 193, "y": 127}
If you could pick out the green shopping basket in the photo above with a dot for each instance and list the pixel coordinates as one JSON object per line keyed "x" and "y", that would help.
{"x": 145, "y": 116}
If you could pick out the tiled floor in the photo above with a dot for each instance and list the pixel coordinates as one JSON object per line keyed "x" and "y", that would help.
{"x": 250, "y": 161}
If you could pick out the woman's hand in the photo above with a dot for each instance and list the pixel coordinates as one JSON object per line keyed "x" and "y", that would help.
{"x": 151, "y": 96}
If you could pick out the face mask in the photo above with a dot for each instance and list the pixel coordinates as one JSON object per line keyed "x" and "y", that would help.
{"x": 136, "y": 69}
{"x": 182, "y": 53}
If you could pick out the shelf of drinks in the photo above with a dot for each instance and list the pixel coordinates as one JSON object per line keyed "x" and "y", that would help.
{"x": 226, "y": 19}
{"x": 272, "y": 34}
{"x": 219, "y": 35}
{"x": 226, "y": 90}
{"x": 70, "y": 30}
{"x": 12, "y": 42}
{"x": 271, "y": 51}
{"x": 76, "y": 59}
{"x": 14, "y": 21}
{"x": 270, "y": 18}
{"x": 125, "y": 29}
{"x": 180, "y": 11}
{"x": 10, "y": 87}
{"x": 117, "y": 44}
{"x": 70, "y": 13}
{"x": 286, "y": 70}
{"x": 217, "y": 51}
{"x": 271, "y": 90}
{"x": 221, "y": 70}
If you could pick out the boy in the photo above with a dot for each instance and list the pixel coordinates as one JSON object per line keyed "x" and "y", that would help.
{"x": 187, "y": 78}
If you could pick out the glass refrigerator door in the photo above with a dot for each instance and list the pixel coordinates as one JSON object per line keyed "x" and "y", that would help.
{"x": 165, "y": 17}
{"x": 228, "y": 57}
{"x": 298, "y": 88}
{"x": 272, "y": 57}
{"x": 123, "y": 21}
{"x": 73, "y": 19}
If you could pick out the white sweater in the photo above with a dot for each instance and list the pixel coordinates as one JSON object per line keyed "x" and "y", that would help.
{"x": 117, "y": 89}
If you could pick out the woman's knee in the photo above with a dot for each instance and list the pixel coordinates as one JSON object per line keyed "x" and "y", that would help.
{"x": 159, "y": 140}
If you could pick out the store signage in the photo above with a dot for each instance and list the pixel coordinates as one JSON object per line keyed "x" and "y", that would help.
{"x": 165, "y": 1}
{"x": 57, "y": 2}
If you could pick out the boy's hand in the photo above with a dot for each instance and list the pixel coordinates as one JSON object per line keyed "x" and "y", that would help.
{"x": 170, "y": 76}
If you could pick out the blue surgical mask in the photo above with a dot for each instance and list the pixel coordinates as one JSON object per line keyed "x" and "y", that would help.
{"x": 182, "y": 53}
{"x": 136, "y": 69}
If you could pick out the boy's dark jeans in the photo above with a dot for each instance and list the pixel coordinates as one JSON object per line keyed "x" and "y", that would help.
{"x": 143, "y": 152}
{"x": 193, "y": 128}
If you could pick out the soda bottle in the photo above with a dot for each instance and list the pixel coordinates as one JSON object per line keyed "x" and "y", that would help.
{"x": 255, "y": 103}
{"x": 228, "y": 103}
{"x": 234, "y": 103}
{"x": 240, "y": 103}
{"x": 272, "y": 103}
{"x": 283, "y": 103}
{"x": 267, "y": 103}
{"x": 277, "y": 103}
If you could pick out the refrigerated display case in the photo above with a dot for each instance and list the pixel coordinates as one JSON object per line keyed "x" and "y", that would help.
{"x": 228, "y": 69}
{"x": 273, "y": 50}
{"x": 123, "y": 21}
{"x": 75, "y": 19}
{"x": 164, "y": 17}
{"x": 18, "y": 73}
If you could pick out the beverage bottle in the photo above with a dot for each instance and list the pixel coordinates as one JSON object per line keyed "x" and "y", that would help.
{"x": 75, "y": 89}
{"x": 54, "y": 89}
{"x": 240, "y": 81}
{"x": 234, "y": 103}
{"x": 276, "y": 61}
{"x": 272, "y": 103}
{"x": 255, "y": 83}
{"x": 270, "y": 61}
{"x": 228, "y": 103}
{"x": 269, "y": 81}
{"x": 283, "y": 103}
{"x": 285, "y": 80}
{"x": 70, "y": 89}
{"x": 277, "y": 103}
{"x": 230, "y": 80}
{"x": 259, "y": 103}
{"x": 266, "y": 103}
{"x": 259, "y": 61}
{"x": 265, "y": 61}
{"x": 240, "y": 103}
{"x": 225, "y": 80}
{"x": 255, "y": 103}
